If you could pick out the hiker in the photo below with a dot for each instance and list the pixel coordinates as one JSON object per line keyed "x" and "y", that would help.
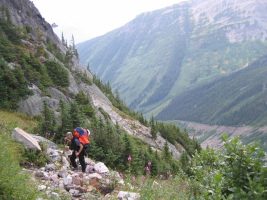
{"x": 78, "y": 151}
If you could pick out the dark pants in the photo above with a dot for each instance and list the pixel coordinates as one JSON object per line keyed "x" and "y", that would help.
{"x": 81, "y": 159}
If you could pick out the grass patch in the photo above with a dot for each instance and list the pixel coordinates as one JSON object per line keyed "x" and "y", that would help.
{"x": 14, "y": 184}
{"x": 10, "y": 120}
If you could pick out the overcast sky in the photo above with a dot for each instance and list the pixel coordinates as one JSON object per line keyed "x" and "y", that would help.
{"x": 86, "y": 19}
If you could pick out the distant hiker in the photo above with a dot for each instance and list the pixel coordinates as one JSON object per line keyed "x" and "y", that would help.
{"x": 78, "y": 147}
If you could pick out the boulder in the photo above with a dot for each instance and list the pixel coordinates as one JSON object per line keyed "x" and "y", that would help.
{"x": 50, "y": 167}
{"x": 65, "y": 162}
{"x": 24, "y": 138}
{"x": 48, "y": 143}
{"x": 101, "y": 168}
{"x": 128, "y": 195}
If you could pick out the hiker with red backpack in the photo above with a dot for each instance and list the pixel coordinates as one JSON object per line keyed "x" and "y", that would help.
{"x": 80, "y": 141}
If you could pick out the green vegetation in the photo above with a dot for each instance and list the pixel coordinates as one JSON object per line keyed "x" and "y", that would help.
{"x": 58, "y": 74}
{"x": 233, "y": 100}
{"x": 238, "y": 172}
{"x": 109, "y": 144}
{"x": 173, "y": 134}
{"x": 14, "y": 184}
{"x": 13, "y": 86}
{"x": 20, "y": 66}
{"x": 257, "y": 136}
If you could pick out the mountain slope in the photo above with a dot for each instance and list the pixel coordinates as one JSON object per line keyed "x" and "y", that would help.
{"x": 232, "y": 100}
{"x": 42, "y": 77}
{"x": 163, "y": 53}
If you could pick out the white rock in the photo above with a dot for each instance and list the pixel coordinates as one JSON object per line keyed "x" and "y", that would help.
{"x": 67, "y": 153}
{"x": 65, "y": 162}
{"x": 41, "y": 187}
{"x": 94, "y": 175}
{"x": 67, "y": 180}
{"x": 74, "y": 192}
{"x": 53, "y": 194}
{"x": 101, "y": 168}
{"x": 128, "y": 195}
{"x": 61, "y": 184}
{"x": 49, "y": 167}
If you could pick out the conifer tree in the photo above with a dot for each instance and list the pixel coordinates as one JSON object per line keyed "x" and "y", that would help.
{"x": 73, "y": 47}
{"x": 153, "y": 128}
{"x": 128, "y": 145}
{"x": 88, "y": 67}
{"x": 77, "y": 117}
{"x": 48, "y": 121}
{"x": 184, "y": 160}
{"x": 166, "y": 152}
{"x": 62, "y": 38}
{"x": 138, "y": 162}
{"x": 65, "y": 118}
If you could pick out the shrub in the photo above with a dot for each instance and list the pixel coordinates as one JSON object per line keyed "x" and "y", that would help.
{"x": 57, "y": 73}
{"x": 238, "y": 172}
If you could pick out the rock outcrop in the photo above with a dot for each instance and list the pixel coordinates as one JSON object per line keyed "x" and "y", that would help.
{"x": 24, "y": 138}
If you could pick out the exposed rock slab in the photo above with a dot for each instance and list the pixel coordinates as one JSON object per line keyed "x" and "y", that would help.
{"x": 24, "y": 138}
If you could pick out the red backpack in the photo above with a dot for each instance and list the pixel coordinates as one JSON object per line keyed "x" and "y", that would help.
{"x": 82, "y": 135}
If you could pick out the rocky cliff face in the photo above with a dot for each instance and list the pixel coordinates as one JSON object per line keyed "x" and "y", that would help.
{"x": 24, "y": 13}
{"x": 243, "y": 20}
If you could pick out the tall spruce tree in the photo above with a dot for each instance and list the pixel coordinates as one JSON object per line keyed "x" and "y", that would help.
{"x": 77, "y": 117}
{"x": 153, "y": 128}
{"x": 65, "y": 119}
{"x": 48, "y": 120}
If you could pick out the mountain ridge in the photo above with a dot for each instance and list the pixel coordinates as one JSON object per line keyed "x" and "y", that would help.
{"x": 176, "y": 48}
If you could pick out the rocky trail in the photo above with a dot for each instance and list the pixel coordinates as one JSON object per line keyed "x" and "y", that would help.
{"x": 59, "y": 181}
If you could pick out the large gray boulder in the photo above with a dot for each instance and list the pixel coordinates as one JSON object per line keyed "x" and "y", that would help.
{"x": 24, "y": 138}
{"x": 48, "y": 143}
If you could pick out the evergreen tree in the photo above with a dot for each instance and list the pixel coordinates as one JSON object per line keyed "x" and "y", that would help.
{"x": 88, "y": 67}
{"x": 184, "y": 160}
{"x": 62, "y": 38}
{"x": 138, "y": 162}
{"x": 166, "y": 152}
{"x": 73, "y": 47}
{"x": 128, "y": 145}
{"x": 153, "y": 128}
{"x": 77, "y": 117}
{"x": 48, "y": 121}
{"x": 65, "y": 119}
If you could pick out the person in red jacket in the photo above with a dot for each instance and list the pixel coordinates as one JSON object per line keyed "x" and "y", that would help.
{"x": 78, "y": 151}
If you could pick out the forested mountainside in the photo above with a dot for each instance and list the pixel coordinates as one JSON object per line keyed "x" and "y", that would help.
{"x": 235, "y": 99}
{"x": 40, "y": 76}
{"x": 164, "y": 53}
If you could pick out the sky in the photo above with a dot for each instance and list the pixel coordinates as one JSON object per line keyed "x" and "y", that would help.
{"x": 87, "y": 19}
